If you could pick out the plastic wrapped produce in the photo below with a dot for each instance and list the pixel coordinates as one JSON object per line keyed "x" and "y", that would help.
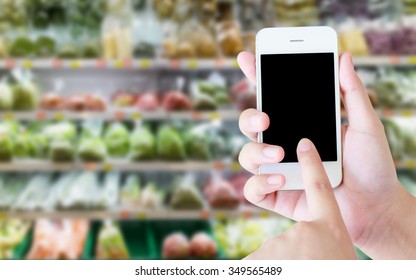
{"x": 197, "y": 143}
{"x": 40, "y": 146}
{"x": 151, "y": 197}
{"x": 109, "y": 192}
{"x": 92, "y": 149}
{"x": 110, "y": 244}
{"x": 22, "y": 47}
{"x": 117, "y": 140}
{"x": 12, "y": 233}
{"x": 44, "y": 46}
{"x": 52, "y": 101}
{"x": 6, "y": 97}
{"x": 23, "y": 146}
{"x": 176, "y": 246}
{"x": 82, "y": 193}
{"x": 58, "y": 239}
{"x": 11, "y": 190}
{"x": 61, "y": 150}
{"x": 25, "y": 96}
{"x": 220, "y": 193}
{"x": 202, "y": 246}
{"x": 6, "y": 145}
{"x": 130, "y": 193}
{"x": 176, "y": 101}
{"x": 142, "y": 144}
{"x": 229, "y": 38}
{"x": 185, "y": 194}
{"x": 148, "y": 101}
{"x": 170, "y": 145}
{"x": 35, "y": 193}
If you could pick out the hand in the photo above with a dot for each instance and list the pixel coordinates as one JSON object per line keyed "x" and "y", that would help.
{"x": 325, "y": 235}
{"x": 370, "y": 194}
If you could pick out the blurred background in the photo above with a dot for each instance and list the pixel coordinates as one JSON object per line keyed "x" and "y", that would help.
{"x": 119, "y": 120}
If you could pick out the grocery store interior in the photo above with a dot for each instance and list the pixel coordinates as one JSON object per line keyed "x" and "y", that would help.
{"x": 119, "y": 130}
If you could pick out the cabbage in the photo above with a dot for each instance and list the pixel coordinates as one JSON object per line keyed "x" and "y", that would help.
{"x": 143, "y": 144}
{"x": 170, "y": 145}
{"x": 6, "y": 147}
{"x": 92, "y": 149}
{"x": 117, "y": 140}
{"x": 25, "y": 96}
{"x": 6, "y": 97}
{"x": 24, "y": 146}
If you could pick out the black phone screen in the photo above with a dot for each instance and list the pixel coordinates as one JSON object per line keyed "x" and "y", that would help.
{"x": 298, "y": 94}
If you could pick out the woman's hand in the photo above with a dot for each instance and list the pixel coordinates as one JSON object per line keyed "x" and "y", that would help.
{"x": 324, "y": 236}
{"x": 370, "y": 196}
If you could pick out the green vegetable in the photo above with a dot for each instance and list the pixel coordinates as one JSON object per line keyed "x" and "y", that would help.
{"x": 45, "y": 47}
{"x": 6, "y": 97}
{"x": 111, "y": 244}
{"x": 197, "y": 144}
{"x": 25, "y": 96}
{"x": 61, "y": 130}
{"x": 41, "y": 146}
{"x": 68, "y": 51}
{"x": 117, "y": 140}
{"x": 143, "y": 144}
{"x": 185, "y": 194}
{"x": 170, "y": 145}
{"x": 6, "y": 147}
{"x": 22, "y": 47}
{"x": 91, "y": 50}
{"x": 24, "y": 146}
{"x": 92, "y": 149}
{"x": 130, "y": 192}
{"x": 204, "y": 102}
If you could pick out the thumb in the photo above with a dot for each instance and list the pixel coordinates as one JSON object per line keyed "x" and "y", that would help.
{"x": 319, "y": 193}
{"x": 360, "y": 112}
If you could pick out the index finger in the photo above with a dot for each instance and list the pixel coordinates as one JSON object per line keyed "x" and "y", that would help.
{"x": 319, "y": 193}
{"x": 247, "y": 63}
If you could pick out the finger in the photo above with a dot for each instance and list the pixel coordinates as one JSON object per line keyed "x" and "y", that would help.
{"x": 261, "y": 190}
{"x": 319, "y": 193}
{"x": 247, "y": 63}
{"x": 252, "y": 155}
{"x": 360, "y": 112}
{"x": 252, "y": 122}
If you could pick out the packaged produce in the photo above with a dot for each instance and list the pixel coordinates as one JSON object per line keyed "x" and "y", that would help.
{"x": 198, "y": 143}
{"x": 170, "y": 145}
{"x": 110, "y": 244}
{"x": 109, "y": 191}
{"x": 151, "y": 197}
{"x": 238, "y": 181}
{"x": 176, "y": 246}
{"x": 148, "y": 101}
{"x": 210, "y": 94}
{"x": 117, "y": 140}
{"x": 142, "y": 144}
{"x": 76, "y": 102}
{"x": 35, "y": 193}
{"x": 44, "y": 46}
{"x": 163, "y": 8}
{"x": 91, "y": 147}
{"x": 23, "y": 145}
{"x": 6, "y": 97}
{"x": 25, "y": 96}
{"x": 40, "y": 146}
{"x": 58, "y": 239}
{"x": 68, "y": 51}
{"x": 230, "y": 38}
{"x": 353, "y": 40}
{"x": 202, "y": 246}
{"x": 236, "y": 143}
{"x": 243, "y": 93}
{"x": 62, "y": 150}
{"x": 52, "y": 101}
{"x": 95, "y": 102}
{"x": 176, "y": 101}
{"x": 82, "y": 193}
{"x": 144, "y": 50}
{"x": 123, "y": 99}
{"x": 12, "y": 233}
{"x": 57, "y": 189}
{"x": 91, "y": 49}
{"x": 220, "y": 193}
{"x": 6, "y": 142}
{"x": 22, "y": 47}
{"x": 185, "y": 194}
{"x": 10, "y": 189}
{"x": 130, "y": 193}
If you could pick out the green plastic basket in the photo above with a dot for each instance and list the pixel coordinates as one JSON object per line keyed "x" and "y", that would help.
{"x": 20, "y": 252}
{"x": 136, "y": 234}
{"x": 161, "y": 229}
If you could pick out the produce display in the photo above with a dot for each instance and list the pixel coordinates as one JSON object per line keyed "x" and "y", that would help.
{"x": 400, "y": 134}
{"x": 185, "y": 194}
{"x": 110, "y": 244}
{"x": 12, "y": 233}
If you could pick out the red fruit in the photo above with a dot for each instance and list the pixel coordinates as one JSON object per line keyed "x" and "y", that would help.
{"x": 95, "y": 103}
{"x": 122, "y": 99}
{"x": 176, "y": 101}
{"x": 148, "y": 101}
{"x": 202, "y": 246}
{"x": 52, "y": 101}
{"x": 77, "y": 102}
{"x": 176, "y": 246}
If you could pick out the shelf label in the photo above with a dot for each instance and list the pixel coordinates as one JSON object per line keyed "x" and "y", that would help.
{"x": 127, "y": 63}
{"x": 124, "y": 215}
{"x": 192, "y": 64}
{"x": 264, "y": 214}
{"x": 90, "y": 166}
{"x": 412, "y": 60}
{"x": 56, "y": 63}
{"x": 107, "y": 167}
{"x": 101, "y": 63}
{"x": 234, "y": 64}
{"x": 204, "y": 214}
{"x": 144, "y": 63}
{"x": 40, "y": 115}
{"x": 388, "y": 112}
{"x": 137, "y": 116}
{"x": 220, "y": 215}
{"x": 118, "y": 64}
{"x": 9, "y": 63}
{"x": 27, "y": 64}
{"x": 394, "y": 59}
{"x": 196, "y": 115}
{"x": 175, "y": 64}
{"x": 74, "y": 64}
{"x": 58, "y": 116}
{"x": 235, "y": 166}
{"x": 118, "y": 115}
{"x": 219, "y": 63}
{"x": 410, "y": 164}
{"x": 247, "y": 214}
{"x": 214, "y": 116}
{"x": 141, "y": 216}
{"x": 407, "y": 113}
{"x": 9, "y": 116}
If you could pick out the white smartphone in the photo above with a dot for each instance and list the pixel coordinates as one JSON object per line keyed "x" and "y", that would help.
{"x": 298, "y": 88}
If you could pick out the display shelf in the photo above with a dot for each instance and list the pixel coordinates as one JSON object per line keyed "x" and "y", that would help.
{"x": 174, "y": 64}
{"x": 406, "y": 164}
{"x": 132, "y": 214}
{"x": 118, "y": 165}
{"x": 120, "y": 114}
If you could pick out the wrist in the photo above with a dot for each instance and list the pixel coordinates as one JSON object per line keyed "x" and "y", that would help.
{"x": 393, "y": 234}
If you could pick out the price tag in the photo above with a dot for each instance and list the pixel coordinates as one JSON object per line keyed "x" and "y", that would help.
{"x": 410, "y": 164}
{"x": 214, "y": 116}
{"x": 412, "y": 60}
{"x": 234, "y": 64}
{"x": 219, "y": 63}
{"x": 137, "y": 116}
{"x": 196, "y": 115}
{"x": 204, "y": 214}
{"x": 101, "y": 63}
{"x": 247, "y": 214}
{"x": 218, "y": 165}
{"x": 118, "y": 115}
{"x": 175, "y": 64}
{"x": 27, "y": 64}
{"x": 407, "y": 113}
{"x": 124, "y": 215}
{"x": 220, "y": 215}
{"x": 118, "y": 64}
{"x": 56, "y": 63}
{"x": 107, "y": 167}
{"x": 9, "y": 116}
{"x": 127, "y": 63}
{"x": 141, "y": 216}
{"x": 264, "y": 214}
{"x": 388, "y": 112}
{"x": 90, "y": 166}
{"x": 394, "y": 59}
{"x": 58, "y": 116}
{"x": 74, "y": 64}
{"x": 144, "y": 63}
{"x": 40, "y": 115}
{"x": 235, "y": 166}
{"x": 9, "y": 63}
{"x": 192, "y": 64}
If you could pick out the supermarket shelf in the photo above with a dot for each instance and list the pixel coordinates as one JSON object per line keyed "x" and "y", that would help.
{"x": 117, "y": 165}
{"x": 406, "y": 164}
{"x": 385, "y": 60}
{"x": 144, "y": 64}
{"x": 163, "y": 214}
{"x": 120, "y": 114}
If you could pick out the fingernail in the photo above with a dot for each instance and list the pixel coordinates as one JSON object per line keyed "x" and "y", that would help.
{"x": 304, "y": 145}
{"x": 255, "y": 120}
{"x": 271, "y": 152}
{"x": 274, "y": 180}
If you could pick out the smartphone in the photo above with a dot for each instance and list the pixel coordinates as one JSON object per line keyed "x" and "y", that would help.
{"x": 298, "y": 88}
